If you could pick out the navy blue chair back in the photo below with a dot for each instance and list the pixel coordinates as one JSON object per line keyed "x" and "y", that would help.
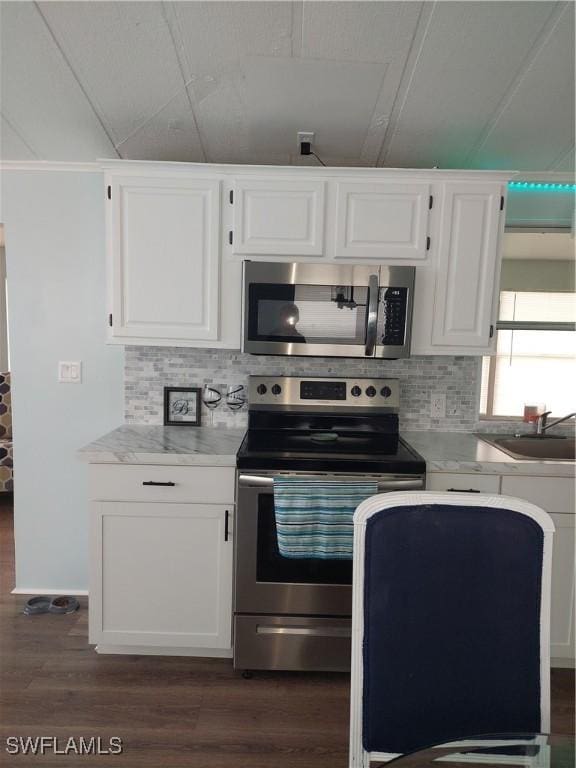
{"x": 451, "y": 642}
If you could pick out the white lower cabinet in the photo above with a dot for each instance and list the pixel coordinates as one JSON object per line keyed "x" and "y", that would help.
{"x": 161, "y": 574}
{"x": 462, "y": 482}
{"x": 556, "y": 496}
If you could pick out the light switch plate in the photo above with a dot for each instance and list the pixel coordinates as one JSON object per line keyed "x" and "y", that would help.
{"x": 438, "y": 405}
{"x": 70, "y": 372}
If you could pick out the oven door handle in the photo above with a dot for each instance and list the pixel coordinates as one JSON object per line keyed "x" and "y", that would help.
{"x": 372, "y": 320}
{"x": 408, "y": 484}
{"x": 264, "y": 629}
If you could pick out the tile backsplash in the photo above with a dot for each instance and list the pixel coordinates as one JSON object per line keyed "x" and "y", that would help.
{"x": 149, "y": 369}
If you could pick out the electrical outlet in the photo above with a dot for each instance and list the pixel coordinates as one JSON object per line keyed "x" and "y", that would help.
{"x": 305, "y": 136}
{"x": 70, "y": 372}
{"x": 438, "y": 405}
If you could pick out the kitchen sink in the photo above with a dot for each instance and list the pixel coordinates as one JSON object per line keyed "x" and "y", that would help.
{"x": 554, "y": 448}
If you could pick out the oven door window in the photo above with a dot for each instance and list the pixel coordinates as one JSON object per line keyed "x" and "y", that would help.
{"x": 272, "y": 567}
{"x": 307, "y": 314}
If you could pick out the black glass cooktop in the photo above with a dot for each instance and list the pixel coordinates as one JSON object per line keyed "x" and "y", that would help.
{"x": 328, "y": 451}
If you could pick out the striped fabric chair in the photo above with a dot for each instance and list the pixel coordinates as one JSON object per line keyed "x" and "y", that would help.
{"x": 6, "y": 456}
{"x": 450, "y": 621}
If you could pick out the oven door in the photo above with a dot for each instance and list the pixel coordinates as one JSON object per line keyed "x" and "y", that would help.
{"x": 266, "y": 582}
{"x": 310, "y": 309}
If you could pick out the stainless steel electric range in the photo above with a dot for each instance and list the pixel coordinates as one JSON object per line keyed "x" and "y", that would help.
{"x": 294, "y": 614}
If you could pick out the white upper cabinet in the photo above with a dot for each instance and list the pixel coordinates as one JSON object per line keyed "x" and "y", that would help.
{"x": 276, "y": 217}
{"x": 164, "y": 259}
{"x": 467, "y": 267}
{"x": 382, "y": 221}
{"x": 177, "y": 235}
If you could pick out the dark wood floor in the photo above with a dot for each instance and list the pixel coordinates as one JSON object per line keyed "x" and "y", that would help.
{"x": 170, "y": 712}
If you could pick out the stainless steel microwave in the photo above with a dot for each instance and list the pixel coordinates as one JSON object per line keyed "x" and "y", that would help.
{"x": 327, "y": 310}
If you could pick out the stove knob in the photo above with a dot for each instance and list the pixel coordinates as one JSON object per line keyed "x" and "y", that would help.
{"x": 261, "y": 389}
{"x": 276, "y": 389}
{"x": 355, "y": 391}
{"x": 371, "y": 391}
{"x": 385, "y": 391}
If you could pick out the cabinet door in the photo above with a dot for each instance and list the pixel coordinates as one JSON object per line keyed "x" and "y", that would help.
{"x": 556, "y": 496}
{"x": 382, "y": 221}
{"x": 164, "y": 238}
{"x": 279, "y": 217}
{"x": 161, "y": 575}
{"x": 468, "y": 260}
{"x": 562, "y": 634}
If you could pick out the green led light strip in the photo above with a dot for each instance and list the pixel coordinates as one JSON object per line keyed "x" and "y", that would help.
{"x": 541, "y": 185}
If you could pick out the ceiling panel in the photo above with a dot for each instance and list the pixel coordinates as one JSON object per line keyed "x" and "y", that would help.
{"x": 468, "y": 58}
{"x": 566, "y": 162}
{"x": 123, "y": 56}
{"x": 214, "y": 39}
{"x": 539, "y": 117}
{"x": 170, "y": 135}
{"x": 452, "y": 84}
{"x": 362, "y": 32}
{"x": 333, "y": 98}
{"x": 13, "y": 145}
{"x": 40, "y": 93}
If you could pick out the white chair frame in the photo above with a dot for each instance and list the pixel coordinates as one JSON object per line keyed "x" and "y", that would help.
{"x": 359, "y": 757}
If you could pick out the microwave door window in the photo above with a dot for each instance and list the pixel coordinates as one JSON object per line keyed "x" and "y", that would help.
{"x": 308, "y": 314}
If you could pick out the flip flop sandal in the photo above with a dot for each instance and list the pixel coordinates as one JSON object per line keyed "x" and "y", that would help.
{"x": 64, "y": 605}
{"x": 37, "y": 605}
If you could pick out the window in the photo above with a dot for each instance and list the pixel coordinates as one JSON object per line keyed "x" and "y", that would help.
{"x": 535, "y": 359}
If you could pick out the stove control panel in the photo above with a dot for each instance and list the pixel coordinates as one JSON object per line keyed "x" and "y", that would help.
{"x": 317, "y": 393}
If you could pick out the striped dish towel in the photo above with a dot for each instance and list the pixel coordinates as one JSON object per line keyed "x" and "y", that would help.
{"x": 314, "y": 518}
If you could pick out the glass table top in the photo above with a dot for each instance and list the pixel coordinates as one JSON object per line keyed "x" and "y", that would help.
{"x": 536, "y": 750}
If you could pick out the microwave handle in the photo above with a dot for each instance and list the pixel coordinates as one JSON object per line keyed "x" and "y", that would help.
{"x": 371, "y": 325}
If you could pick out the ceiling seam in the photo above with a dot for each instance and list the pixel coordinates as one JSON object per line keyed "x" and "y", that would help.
{"x": 561, "y": 157}
{"x": 164, "y": 8}
{"x": 151, "y": 117}
{"x": 297, "y": 29}
{"x": 18, "y": 132}
{"x": 77, "y": 79}
{"x": 544, "y": 35}
{"x": 408, "y": 71}
{"x": 373, "y": 118}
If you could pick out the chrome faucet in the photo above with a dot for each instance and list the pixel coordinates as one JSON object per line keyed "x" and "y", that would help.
{"x": 542, "y": 426}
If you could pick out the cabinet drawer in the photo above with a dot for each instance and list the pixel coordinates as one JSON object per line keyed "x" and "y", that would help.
{"x": 553, "y": 494}
{"x": 131, "y": 482}
{"x": 443, "y": 481}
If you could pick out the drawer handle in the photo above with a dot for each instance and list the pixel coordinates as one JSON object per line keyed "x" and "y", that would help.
{"x": 262, "y": 629}
{"x": 169, "y": 484}
{"x": 463, "y": 490}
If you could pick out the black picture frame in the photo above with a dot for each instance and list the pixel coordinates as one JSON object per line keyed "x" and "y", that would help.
{"x": 191, "y": 395}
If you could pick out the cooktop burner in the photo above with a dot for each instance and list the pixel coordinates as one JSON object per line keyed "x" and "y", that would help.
{"x": 295, "y": 425}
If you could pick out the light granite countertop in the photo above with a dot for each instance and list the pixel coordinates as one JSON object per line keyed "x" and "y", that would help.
{"x": 142, "y": 444}
{"x": 464, "y": 452}
{"x": 209, "y": 446}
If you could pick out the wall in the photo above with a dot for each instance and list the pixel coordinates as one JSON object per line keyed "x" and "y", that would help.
{"x": 55, "y": 262}
{"x": 149, "y": 369}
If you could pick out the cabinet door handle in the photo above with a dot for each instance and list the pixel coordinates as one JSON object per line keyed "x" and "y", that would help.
{"x": 226, "y": 524}
{"x": 463, "y": 490}
{"x": 169, "y": 484}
